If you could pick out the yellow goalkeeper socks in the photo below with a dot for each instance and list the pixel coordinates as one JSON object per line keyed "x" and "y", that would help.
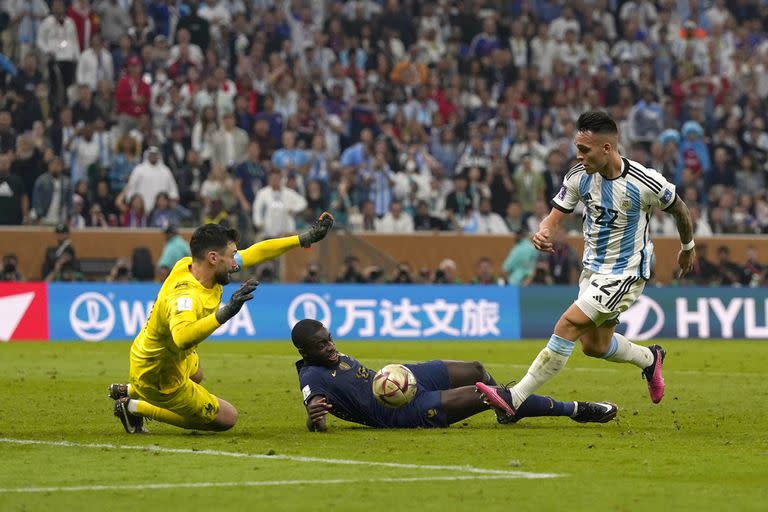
{"x": 148, "y": 410}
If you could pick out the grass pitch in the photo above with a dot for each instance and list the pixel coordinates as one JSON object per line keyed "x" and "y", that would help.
{"x": 705, "y": 447}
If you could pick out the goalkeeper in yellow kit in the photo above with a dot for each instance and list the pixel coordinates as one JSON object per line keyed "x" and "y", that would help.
{"x": 165, "y": 370}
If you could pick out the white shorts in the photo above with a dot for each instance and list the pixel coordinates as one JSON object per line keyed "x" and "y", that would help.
{"x": 603, "y": 297}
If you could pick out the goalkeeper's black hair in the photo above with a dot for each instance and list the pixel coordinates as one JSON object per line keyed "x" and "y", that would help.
{"x": 211, "y": 237}
{"x": 303, "y": 330}
{"x": 597, "y": 121}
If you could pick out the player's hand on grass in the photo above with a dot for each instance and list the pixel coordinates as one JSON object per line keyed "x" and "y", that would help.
{"x": 317, "y": 409}
{"x": 236, "y": 301}
{"x": 686, "y": 259}
{"x": 541, "y": 240}
{"x": 317, "y": 232}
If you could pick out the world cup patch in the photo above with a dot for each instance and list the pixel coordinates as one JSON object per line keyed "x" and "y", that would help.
{"x": 184, "y": 304}
{"x": 562, "y": 192}
{"x": 667, "y": 197}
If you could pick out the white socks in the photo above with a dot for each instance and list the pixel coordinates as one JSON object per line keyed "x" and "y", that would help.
{"x": 624, "y": 351}
{"x": 546, "y": 365}
{"x": 132, "y": 406}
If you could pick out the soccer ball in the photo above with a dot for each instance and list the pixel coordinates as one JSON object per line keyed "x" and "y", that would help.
{"x": 394, "y": 385}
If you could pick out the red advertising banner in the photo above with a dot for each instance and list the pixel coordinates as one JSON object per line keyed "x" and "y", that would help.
{"x": 23, "y": 312}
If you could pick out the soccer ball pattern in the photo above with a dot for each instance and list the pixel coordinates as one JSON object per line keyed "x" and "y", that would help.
{"x": 394, "y": 385}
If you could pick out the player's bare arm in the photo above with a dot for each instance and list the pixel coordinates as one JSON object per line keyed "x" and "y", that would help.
{"x": 687, "y": 254}
{"x": 317, "y": 408}
{"x": 542, "y": 240}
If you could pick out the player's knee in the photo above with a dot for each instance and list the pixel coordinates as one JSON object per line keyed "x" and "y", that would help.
{"x": 480, "y": 375}
{"x": 591, "y": 350}
{"x": 227, "y": 421}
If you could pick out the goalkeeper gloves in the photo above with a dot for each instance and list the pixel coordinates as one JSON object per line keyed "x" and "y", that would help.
{"x": 317, "y": 232}
{"x": 236, "y": 301}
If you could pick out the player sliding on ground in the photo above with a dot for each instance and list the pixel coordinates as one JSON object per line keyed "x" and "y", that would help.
{"x": 619, "y": 196}
{"x": 335, "y": 383}
{"x": 165, "y": 372}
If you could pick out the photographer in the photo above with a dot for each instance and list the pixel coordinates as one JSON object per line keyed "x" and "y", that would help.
{"x": 401, "y": 274}
{"x": 350, "y": 273}
{"x": 121, "y": 272}
{"x": 10, "y": 271}
{"x": 63, "y": 251}
{"x": 446, "y": 273}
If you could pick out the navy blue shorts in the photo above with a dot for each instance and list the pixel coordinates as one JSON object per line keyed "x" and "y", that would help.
{"x": 426, "y": 409}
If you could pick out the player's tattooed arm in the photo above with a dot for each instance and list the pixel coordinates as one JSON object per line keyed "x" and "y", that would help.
{"x": 682, "y": 216}
{"x": 685, "y": 258}
{"x": 317, "y": 408}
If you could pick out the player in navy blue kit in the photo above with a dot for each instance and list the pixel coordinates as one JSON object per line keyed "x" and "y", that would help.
{"x": 336, "y": 383}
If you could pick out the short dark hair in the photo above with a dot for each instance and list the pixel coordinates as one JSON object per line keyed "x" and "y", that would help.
{"x": 597, "y": 121}
{"x": 211, "y": 237}
{"x": 303, "y": 330}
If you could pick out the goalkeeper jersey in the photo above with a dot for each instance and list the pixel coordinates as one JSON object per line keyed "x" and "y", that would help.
{"x": 157, "y": 356}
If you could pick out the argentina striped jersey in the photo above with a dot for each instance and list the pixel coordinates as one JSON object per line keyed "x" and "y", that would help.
{"x": 616, "y": 215}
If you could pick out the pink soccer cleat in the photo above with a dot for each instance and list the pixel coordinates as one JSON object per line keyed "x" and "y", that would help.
{"x": 653, "y": 375}
{"x": 500, "y": 399}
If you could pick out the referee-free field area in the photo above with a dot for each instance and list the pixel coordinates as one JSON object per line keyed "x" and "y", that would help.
{"x": 705, "y": 447}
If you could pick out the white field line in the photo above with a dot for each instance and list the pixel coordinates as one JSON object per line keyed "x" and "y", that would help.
{"x": 291, "y": 458}
{"x": 257, "y": 483}
{"x": 618, "y": 369}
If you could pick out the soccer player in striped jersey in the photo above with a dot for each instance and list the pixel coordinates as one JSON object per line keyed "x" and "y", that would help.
{"x": 619, "y": 196}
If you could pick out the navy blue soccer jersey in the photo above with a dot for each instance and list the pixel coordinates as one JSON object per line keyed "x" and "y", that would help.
{"x": 347, "y": 387}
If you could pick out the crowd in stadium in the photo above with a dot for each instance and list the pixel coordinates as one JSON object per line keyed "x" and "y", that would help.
{"x": 395, "y": 115}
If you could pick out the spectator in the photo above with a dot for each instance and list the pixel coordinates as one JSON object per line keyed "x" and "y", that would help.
{"x": 134, "y": 213}
{"x": 395, "y": 221}
{"x": 149, "y": 178}
{"x": 167, "y": 213}
{"x": 7, "y": 133}
{"x": 64, "y": 271}
{"x": 446, "y": 273}
{"x": 753, "y": 269}
{"x": 694, "y": 154}
{"x": 521, "y": 260}
{"x": 230, "y": 143}
{"x": 530, "y": 185}
{"x": 175, "y": 248}
{"x": 423, "y": 221}
{"x": 132, "y": 96}
{"x": 85, "y": 153}
{"x": 14, "y": 201}
{"x": 350, "y": 272}
{"x": 514, "y": 219}
{"x": 564, "y": 264}
{"x": 218, "y": 186}
{"x": 120, "y": 272}
{"x": 55, "y": 257}
{"x": 275, "y": 206}
{"x": 57, "y": 39}
{"x": 203, "y": 133}
{"x": 289, "y": 159}
{"x": 114, "y": 20}
{"x": 95, "y": 64}
{"x": 489, "y": 222}
{"x": 10, "y": 270}
{"x": 123, "y": 163}
{"x": 52, "y": 195}
{"x": 484, "y": 272}
{"x": 28, "y": 162}
{"x": 729, "y": 272}
{"x": 312, "y": 274}
{"x": 379, "y": 180}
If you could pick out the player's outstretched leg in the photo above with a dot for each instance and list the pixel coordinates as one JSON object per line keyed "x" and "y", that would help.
{"x": 132, "y": 423}
{"x": 594, "y": 412}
